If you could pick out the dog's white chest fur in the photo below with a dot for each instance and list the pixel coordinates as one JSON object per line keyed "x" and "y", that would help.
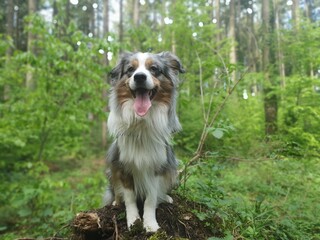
{"x": 142, "y": 140}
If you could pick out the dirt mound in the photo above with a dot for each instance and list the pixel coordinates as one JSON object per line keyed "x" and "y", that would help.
{"x": 177, "y": 221}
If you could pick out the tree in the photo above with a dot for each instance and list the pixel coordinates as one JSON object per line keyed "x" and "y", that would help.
{"x": 136, "y": 13}
{"x": 232, "y": 37}
{"x": 105, "y": 63}
{"x": 30, "y": 81}
{"x": 295, "y": 14}
{"x": 280, "y": 57}
{"x": 9, "y": 52}
{"x": 121, "y": 23}
{"x": 216, "y": 8}
{"x": 270, "y": 98}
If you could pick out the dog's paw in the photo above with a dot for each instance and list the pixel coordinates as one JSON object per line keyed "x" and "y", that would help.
{"x": 169, "y": 199}
{"x": 115, "y": 203}
{"x": 151, "y": 226}
{"x": 131, "y": 221}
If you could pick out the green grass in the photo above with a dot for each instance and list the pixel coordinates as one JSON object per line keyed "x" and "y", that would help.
{"x": 262, "y": 199}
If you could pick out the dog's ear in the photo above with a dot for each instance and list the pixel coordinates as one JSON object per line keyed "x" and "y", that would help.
{"x": 172, "y": 61}
{"x": 118, "y": 71}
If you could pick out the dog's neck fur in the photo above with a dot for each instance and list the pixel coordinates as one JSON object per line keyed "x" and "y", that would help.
{"x": 145, "y": 138}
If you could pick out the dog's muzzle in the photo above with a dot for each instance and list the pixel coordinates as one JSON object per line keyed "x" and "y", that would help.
{"x": 142, "y": 94}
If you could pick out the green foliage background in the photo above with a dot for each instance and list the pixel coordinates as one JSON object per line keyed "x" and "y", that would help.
{"x": 51, "y": 167}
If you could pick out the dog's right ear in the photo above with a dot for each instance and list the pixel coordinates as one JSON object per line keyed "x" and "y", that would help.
{"x": 118, "y": 71}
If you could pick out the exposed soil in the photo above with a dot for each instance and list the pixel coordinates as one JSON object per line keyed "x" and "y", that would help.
{"x": 177, "y": 221}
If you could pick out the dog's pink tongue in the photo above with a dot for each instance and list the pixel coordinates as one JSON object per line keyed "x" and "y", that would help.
{"x": 142, "y": 103}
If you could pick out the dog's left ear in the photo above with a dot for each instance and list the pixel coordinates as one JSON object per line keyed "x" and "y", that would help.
{"x": 117, "y": 72}
{"x": 172, "y": 61}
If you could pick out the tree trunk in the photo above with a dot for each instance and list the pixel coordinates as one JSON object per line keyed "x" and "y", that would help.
{"x": 121, "y": 25}
{"x": 10, "y": 12}
{"x": 9, "y": 52}
{"x": 308, "y": 9}
{"x": 105, "y": 63}
{"x": 252, "y": 46}
{"x": 92, "y": 23}
{"x": 30, "y": 81}
{"x": 136, "y": 13}
{"x": 105, "y": 17}
{"x": 232, "y": 37}
{"x": 173, "y": 35}
{"x": 216, "y": 16}
{"x": 136, "y": 16}
{"x": 295, "y": 14}
{"x": 281, "y": 65}
{"x": 270, "y": 98}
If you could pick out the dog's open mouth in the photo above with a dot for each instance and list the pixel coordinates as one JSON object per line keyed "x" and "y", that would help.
{"x": 142, "y": 100}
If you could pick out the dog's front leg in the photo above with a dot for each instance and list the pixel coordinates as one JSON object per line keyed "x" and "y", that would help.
{"x": 149, "y": 213}
{"x": 131, "y": 206}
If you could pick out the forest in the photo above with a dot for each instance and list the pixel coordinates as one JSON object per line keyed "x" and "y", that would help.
{"x": 249, "y": 151}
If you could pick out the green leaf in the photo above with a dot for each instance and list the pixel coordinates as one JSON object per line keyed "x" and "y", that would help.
{"x": 218, "y": 133}
{"x": 3, "y": 228}
{"x": 24, "y": 212}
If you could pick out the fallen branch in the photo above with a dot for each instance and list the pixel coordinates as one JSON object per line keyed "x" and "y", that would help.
{"x": 116, "y": 230}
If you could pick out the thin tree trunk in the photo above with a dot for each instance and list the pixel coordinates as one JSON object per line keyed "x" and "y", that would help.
{"x": 252, "y": 46}
{"x": 295, "y": 14}
{"x": 136, "y": 13}
{"x": 216, "y": 16}
{"x": 136, "y": 17}
{"x": 308, "y": 9}
{"x": 10, "y": 13}
{"x": 281, "y": 65}
{"x": 121, "y": 24}
{"x": 232, "y": 37}
{"x": 105, "y": 63}
{"x": 9, "y": 52}
{"x": 30, "y": 81}
{"x": 93, "y": 22}
{"x": 173, "y": 36}
{"x": 216, "y": 38}
{"x": 270, "y": 98}
{"x": 67, "y": 18}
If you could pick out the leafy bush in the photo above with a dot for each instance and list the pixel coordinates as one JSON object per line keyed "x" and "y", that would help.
{"x": 300, "y": 117}
{"x": 39, "y": 202}
{"x": 46, "y": 124}
{"x": 53, "y": 119}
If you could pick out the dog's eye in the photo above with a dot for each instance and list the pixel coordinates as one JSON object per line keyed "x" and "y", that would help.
{"x": 155, "y": 70}
{"x": 130, "y": 69}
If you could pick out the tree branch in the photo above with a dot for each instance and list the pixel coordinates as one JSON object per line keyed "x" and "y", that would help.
{"x": 199, "y": 152}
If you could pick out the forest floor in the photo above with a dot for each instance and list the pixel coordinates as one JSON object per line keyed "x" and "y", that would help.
{"x": 247, "y": 199}
{"x": 177, "y": 220}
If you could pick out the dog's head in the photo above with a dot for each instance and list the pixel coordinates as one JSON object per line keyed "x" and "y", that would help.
{"x": 145, "y": 78}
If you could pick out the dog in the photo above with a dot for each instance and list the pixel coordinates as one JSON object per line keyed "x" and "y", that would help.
{"x": 141, "y": 165}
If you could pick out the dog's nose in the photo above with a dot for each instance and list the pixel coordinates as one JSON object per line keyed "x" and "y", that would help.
{"x": 140, "y": 78}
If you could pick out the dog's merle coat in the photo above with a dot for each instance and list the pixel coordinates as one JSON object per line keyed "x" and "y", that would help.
{"x": 141, "y": 163}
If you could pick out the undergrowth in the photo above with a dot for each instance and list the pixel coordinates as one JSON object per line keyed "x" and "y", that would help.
{"x": 41, "y": 199}
{"x": 260, "y": 199}
{"x": 256, "y": 199}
